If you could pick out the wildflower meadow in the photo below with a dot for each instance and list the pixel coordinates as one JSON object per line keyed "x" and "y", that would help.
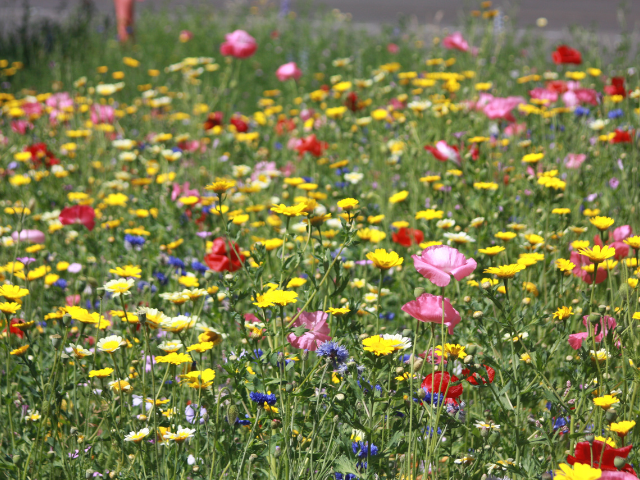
{"x": 258, "y": 245}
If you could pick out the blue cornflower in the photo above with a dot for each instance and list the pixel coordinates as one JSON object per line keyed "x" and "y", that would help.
{"x": 258, "y": 352}
{"x": 61, "y": 283}
{"x": 199, "y": 267}
{"x": 560, "y": 423}
{"x": 162, "y": 278}
{"x": 582, "y": 111}
{"x": 262, "y": 398}
{"x": 617, "y": 113}
{"x": 337, "y": 353}
{"x": 360, "y": 449}
{"x": 176, "y": 262}
{"x": 134, "y": 240}
{"x": 348, "y": 476}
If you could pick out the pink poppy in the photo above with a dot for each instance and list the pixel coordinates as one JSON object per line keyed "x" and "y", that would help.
{"x": 574, "y": 160}
{"x": 103, "y": 114}
{"x": 183, "y": 190}
{"x": 439, "y": 262}
{"x": 543, "y": 94}
{"x": 31, "y": 236}
{"x": 32, "y": 108}
{"x": 601, "y": 329}
{"x": 72, "y": 300}
{"x": 428, "y": 308}
{"x": 581, "y": 261}
{"x": 500, "y": 108}
{"x": 316, "y": 323}
{"x": 456, "y": 41}
{"x": 238, "y": 44}
{"x": 393, "y": 48}
{"x": 443, "y": 152}
{"x": 20, "y": 126}
{"x": 288, "y": 71}
{"x": 82, "y": 214}
{"x": 618, "y": 236}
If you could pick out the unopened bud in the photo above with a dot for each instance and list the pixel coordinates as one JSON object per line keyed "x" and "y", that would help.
{"x": 336, "y": 419}
{"x": 339, "y": 397}
{"x": 494, "y": 438}
{"x": 471, "y": 349}
{"x": 288, "y": 388}
{"x": 275, "y": 423}
{"x": 610, "y": 416}
{"x": 467, "y": 299}
{"x": 590, "y": 439}
{"x": 300, "y": 438}
{"x": 468, "y": 359}
{"x": 88, "y": 474}
{"x": 594, "y": 318}
{"x": 304, "y": 355}
{"x": 232, "y": 414}
{"x": 477, "y": 314}
{"x": 418, "y": 291}
{"x": 407, "y": 332}
{"x": 399, "y": 370}
{"x": 602, "y": 308}
{"x": 546, "y": 476}
{"x": 620, "y": 329}
{"x": 619, "y": 462}
{"x": 55, "y": 340}
{"x": 526, "y": 301}
{"x": 278, "y": 451}
{"x": 421, "y": 393}
{"x": 417, "y": 365}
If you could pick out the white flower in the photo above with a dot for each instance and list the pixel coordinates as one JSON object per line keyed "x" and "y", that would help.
{"x": 137, "y": 436}
{"x": 181, "y": 435}
{"x": 403, "y": 342}
{"x": 109, "y": 89}
{"x": 78, "y": 351}
{"x": 110, "y": 344}
{"x": 419, "y": 106}
{"x": 353, "y": 177}
{"x": 460, "y": 237}
{"x": 170, "y": 346}
{"x": 119, "y": 286}
{"x": 598, "y": 124}
{"x": 446, "y": 223}
{"x": 124, "y": 144}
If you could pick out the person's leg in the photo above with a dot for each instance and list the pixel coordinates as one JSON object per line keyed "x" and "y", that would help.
{"x": 124, "y": 18}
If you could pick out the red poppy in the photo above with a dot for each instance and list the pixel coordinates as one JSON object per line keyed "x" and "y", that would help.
{"x": 285, "y": 125}
{"x": 352, "y": 102}
{"x": 565, "y": 54}
{"x": 584, "y": 454}
{"x": 224, "y": 256}
{"x": 440, "y": 382}
{"x": 16, "y": 331}
{"x": 622, "y": 136}
{"x": 408, "y": 236}
{"x": 40, "y": 153}
{"x": 475, "y": 151}
{"x": 473, "y": 379}
{"x": 82, "y": 214}
{"x": 241, "y": 125}
{"x": 312, "y": 145}
{"x": 557, "y": 86}
{"x": 616, "y": 87}
{"x": 213, "y": 120}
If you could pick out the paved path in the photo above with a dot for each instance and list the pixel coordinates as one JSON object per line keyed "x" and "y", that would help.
{"x": 560, "y": 14}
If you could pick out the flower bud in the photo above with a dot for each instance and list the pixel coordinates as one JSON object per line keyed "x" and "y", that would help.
{"x": 494, "y": 438}
{"x": 610, "y": 416}
{"x": 477, "y": 314}
{"x": 602, "y": 308}
{"x": 590, "y": 438}
{"x": 280, "y": 357}
{"x": 418, "y": 291}
{"x": 526, "y": 301}
{"x": 620, "y": 329}
{"x": 421, "y": 393}
{"x": 468, "y": 359}
{"x": 55, "y": 340}
{"x": 304, "y": 355}
{"x": 471, "y": 349}
{"x": 88, "y": 473}
{"x": 339, "y": 397}
{"x": 546, "y": 476}
{"x": 407, "y": 332}
{"x": 275, "y": 423}
{"x": 336, "y": 419}
{"x": 232, "y": 414}
{"x": 619, "y": 462}
{"x": 467, "y": 299}
{"x": 278, "y": 451}
{"x": 417, "y": 365}
{"x": 288, "y": 388}
{"x": 594, "y": 318}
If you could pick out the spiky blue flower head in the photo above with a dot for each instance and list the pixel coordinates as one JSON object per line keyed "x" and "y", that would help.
{"x": 361, "y": 449}
{"x": 333, "y": 351}
{"x": 262, "y": 398}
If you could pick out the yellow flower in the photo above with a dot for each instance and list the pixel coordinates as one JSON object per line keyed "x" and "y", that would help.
{"x": 622, "y": 428}
{"x": 561, "y": 211}
{"x": 379, "y": 345}
{"x": 120, "y": 386}
{"x": 188, "y": 281}
{"x": 105, "y": 372}
{"x": 296, "y": 282}
{"x": 116, "y": 200}
{"x": 505, "y": 236}
{"x": 384, "y": 260}
{"x": 580, "y": 471}
{"x": 276, "y": 297}
{"x": 505, "y": 271}
{"x": 348, "y": 204}
{"x": 632, "y": 282}
{"x": 221, "y": 185}
{"x": 126, "y": 271}
{"x": 525, "y": 357}
{"x": 399, "y": 197}
{"x": 564, "y": 265}
{"x": 633, "y": 242}
{"x": 19, "y": 351}
{"x": 534, "y": 239}
{"x": 533, "y": 157}
{"x": 338, "y": 311}
{"x": 293, "y": 211}
{"x": 174, "y": 358}
{"x": 491, "y": 251}
{"x": 200, "y": 379}
{"x": 598, "y": 254}
{"x": 605, "y": 402}
{"x": 563, "y": 313}
{"x": 13, "y": 292}
{"x": 200, "y": 347}
{"x": 602, "y": 223}
{"x": 9, "y": 308}
{"x": 429, "y": 214}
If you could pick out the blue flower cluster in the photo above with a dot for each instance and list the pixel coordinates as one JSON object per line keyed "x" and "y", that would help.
{"x": 362, "y": 450}
{"x": 262, "y": 398}
{"x": 337, "y": 353}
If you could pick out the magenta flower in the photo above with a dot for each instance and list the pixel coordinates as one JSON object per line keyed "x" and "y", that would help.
{"x": 456, "y": 41}
{"x": 316, "y": 323}
{"x": 288, "y": 71}
{"x": 238, "y": 44}
{"x": 574, "y": 160}
{"x": 439, "y": 262}
{"x": 601, "y": 329}
{"x": 428, "y": 308}
{"x": 32, "y": 236}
